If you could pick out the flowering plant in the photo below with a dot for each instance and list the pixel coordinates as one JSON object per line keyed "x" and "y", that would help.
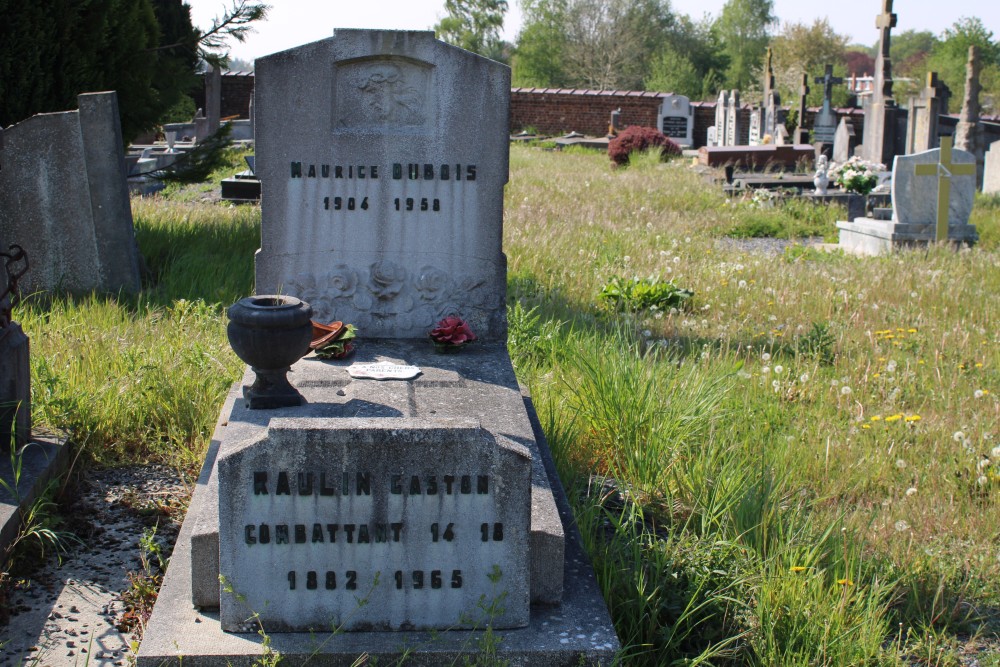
{"x": 856, "y": 175}
{"x": 451, "y": 334}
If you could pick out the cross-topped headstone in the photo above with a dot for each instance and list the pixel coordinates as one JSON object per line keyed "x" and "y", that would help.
{"x": 828, "y": 79}
{"x": 768, "y": 76}
{"x": 885, "y": 22}
{"x": 944, "y": 170}
{"x": 825, "y": 125}
{"x": 922, "y": 120}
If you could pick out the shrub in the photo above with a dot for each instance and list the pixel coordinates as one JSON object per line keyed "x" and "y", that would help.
{"x": 637, "y": 139}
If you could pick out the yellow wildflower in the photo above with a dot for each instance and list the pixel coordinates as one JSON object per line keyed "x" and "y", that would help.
{"x": 845, "y": 582}
{"x": 797, "y": 568}
{"x": 913, "y": 418}
{"x": 893, "y": 418}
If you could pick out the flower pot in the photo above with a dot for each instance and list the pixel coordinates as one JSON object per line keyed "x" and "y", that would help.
{"x": 270, "y": 333}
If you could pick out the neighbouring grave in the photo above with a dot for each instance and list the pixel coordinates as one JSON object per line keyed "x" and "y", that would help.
{"x": 932, "y": 197}
{"x": 881, "y": 111}
{"x": 991, "y": 171}
{"x": 845, "y": 141}
{"x": 757, "y": 157}
{"x": 922, "y": 119}
{"x": 825, "y": 125}
{"x": 64, "y": 199}
{"x": 676, "y": 119}
{"x": 801, "y": 134}
{"x": 733, "y": 125}
{"x": 721, "y": 115}
{"x": 404, "y": 513}
{"x": 755, "y": 123}
{"x": 969, "y": 134}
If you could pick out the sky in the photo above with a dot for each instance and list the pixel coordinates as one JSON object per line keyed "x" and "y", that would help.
{"x": 295, "y": 22}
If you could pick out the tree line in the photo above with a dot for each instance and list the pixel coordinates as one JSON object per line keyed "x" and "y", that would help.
{"x": 645, "y": 45}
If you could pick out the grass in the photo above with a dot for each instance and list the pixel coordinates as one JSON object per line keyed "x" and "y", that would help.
{"x": 788, "y": 469}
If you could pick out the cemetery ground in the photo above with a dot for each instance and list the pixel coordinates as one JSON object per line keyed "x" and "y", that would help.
{"x": 796, "y": 463}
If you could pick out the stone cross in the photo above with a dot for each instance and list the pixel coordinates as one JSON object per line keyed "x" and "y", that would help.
{"x": 885, "y": 22}
{"x": 922, "y": 121}
{"x": 828, "y": 79}
{"x": 944, "y": 170}
{"x": 768, "y": 77}
{"x": 968, "y": 132}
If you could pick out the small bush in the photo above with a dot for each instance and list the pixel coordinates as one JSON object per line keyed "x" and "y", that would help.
{"x": 637, "y": 139}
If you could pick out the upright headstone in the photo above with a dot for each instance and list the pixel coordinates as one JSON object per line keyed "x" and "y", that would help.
{"x": 64, "y": 199}
{"x": 801, "y": 134}
{"x": 844, "y": 141}
{"x": 676, "y": 119}
{"x": 213, "y": 99}
{"x": 922, "y": 120}
{"x": 969, "y": 133}
{"x": 881, "y": 112}
{"x": 991, "y": 170}
{"x": 412, "y": 504}
{"x": 733, "y": 120}
{"x": 935, "y": 185}
{"x": 721, "y": 114}
{"x": 411, "y": 233}
{"x": 755, "y": 125}
{"x": 825, "y": 124}
{"x": 15, "y": 374}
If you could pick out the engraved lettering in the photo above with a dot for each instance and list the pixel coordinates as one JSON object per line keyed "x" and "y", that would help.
{"x": 281, "y": 534}
{"x": 325, "y": 490}
{"x": 397, "y": 528}
{"x": 331, "y": 528}
{"x": 282, "y": 488}
{"x": 312, "y": 171}
{"x": 466, "y": 484}
{"x": 397, "y": 171}
{"x": 483, "y": 484}
{"x": 414, "y": 486}
{"x": 338, "y": 171}
{"x": 432, "y": 485}
{"x": 349, "y": 531}
{"x": 448, "y": 481}
{"x": 317, "y": 535}
{"x": 305, "y": 484}
{"x": 296, "y": 170}
{"x": 260, "y": 483}
{"x": 248, "y": 534}
{"x": 363, "y": 534}
{"x": 364, "y": 484}
{"x": 470, "y": 172}
{"x": 264, "y": 533}
{"x": 325, "y": 171}
{"x": 395, "y": 483}
{"x": 300, "y": 533}
{"x": 445, "y": 172}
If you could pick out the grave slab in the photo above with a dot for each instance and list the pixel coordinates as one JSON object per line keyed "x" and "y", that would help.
{"x": 576, "y": 632}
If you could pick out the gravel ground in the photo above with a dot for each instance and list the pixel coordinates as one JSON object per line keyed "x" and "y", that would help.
{"x": 70, "y": 614}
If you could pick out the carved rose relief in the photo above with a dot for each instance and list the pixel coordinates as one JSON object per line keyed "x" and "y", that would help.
{"x": 431, "y": 283}
{"x": 386, "y": 280}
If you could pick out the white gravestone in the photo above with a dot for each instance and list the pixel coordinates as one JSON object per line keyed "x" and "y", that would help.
{"x": 408, "y": 230}
{"x": 914, "y": 196}
{"x": 721, "y": 109}
{"x": 991, "y": 171}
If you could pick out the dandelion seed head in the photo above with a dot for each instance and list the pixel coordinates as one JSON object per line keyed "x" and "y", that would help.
{"x": 778, "y": 369}
{"x": 804, "y": 378}
{"x": 765, "y": 357}
{"x": 912, "y": 491}
{"x": 765, "y": 370}
{"x": 845, "y": 390}
{"x": 900, "y": 463}
{"x": 901, "y": 526}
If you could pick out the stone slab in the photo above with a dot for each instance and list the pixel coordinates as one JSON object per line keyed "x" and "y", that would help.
{"x": 382, "y": 157}
{"x": 756, "y": 157}
{"x": 41, "y": 460}
{"x": 579, "y": 631}
{"x": 478, "y": 382}
{"x": 866, "y": 236}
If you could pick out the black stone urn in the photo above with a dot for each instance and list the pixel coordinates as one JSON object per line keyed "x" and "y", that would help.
{"x": 270, "y": 332}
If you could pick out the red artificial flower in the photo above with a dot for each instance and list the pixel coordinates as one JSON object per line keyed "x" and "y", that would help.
{"x": 452, "y": 330}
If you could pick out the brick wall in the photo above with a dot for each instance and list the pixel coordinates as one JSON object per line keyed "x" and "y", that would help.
{"x": 560, "y": 111}
{"x": 237, "y": 91}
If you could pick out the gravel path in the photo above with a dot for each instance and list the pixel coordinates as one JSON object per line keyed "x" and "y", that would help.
{"x": 68, "y": 614}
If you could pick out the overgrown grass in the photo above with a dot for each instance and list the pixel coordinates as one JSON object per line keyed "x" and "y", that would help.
{"x": 789, "y": 470}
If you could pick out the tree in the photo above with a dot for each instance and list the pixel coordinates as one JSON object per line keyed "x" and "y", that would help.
{"x": 689, "y": 60}
{"x": 474, "y": 25}
{"x": 673, "y": 72}
{"x": 950, "y": 55}
{"x": 539, "y": 52}
{"x": 145, "y": 50}
{"x": 807, "y": 49}
{"x": 743, "y": 27}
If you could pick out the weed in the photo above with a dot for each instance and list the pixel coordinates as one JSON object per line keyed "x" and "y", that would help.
{"x": 641, "y": 294}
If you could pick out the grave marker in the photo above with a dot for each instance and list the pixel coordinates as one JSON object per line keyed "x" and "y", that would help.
{"x": 721, "y": 118}
{"x": 991, "y": 170}
{"x": 676, "y": 119}
{"x": 944, "y": 170}
{"x": 825, "y": 125}
{"x": 733, "y": 120}
{"x": 880, "y": 113}
{"x": 969, "y": 133}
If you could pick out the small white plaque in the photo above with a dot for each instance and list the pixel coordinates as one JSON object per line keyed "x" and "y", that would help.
{"x": 383, "y": 370}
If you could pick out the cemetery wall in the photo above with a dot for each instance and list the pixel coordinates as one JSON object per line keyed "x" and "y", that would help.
{"x": 237, "y": 91}
{"x": 558, "y": 110}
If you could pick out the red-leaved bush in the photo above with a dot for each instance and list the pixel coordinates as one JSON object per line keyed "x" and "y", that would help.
{"x": 635, "y": 138}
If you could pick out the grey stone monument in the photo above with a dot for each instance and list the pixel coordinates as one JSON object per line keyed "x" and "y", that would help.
{"x": 922, "y": 120}
{"x": 844, "y": 141}
{"x": 721, "y": 115}
{"x": 64, "y": 199}
{"x": 918, "y": 181}
{"x": 755, "y": 124}
{"x": 676, "y": 119}
{"x": 969, "y": 133}
{"x": 395, "y": 511}
{"x": 733, "y": 119}
{"x": 881, "y": 111}
{"x": 213, "y": 99}
{"x": 825, "y": 124}
{"x": 991, "y": 170}
{"x": 801, "y": 134}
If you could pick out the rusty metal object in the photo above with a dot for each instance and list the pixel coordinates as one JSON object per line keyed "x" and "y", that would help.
{"x": 15, "y": 255}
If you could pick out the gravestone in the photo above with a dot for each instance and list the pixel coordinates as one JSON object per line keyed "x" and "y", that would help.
{"x": 881, "y": 111}
{"x": 755, "y": 123}
{"x": 922, "y": 120}
{"x": 213, "y": 99}
{"x": 801, "y": 134}
{"x": 64, "y": 199}
{"x": 676, "y": 119}
{"x": 918, "y": 181}
{"x": 422, "y": 505}
{"x": 825, "y": 124}
{"x": 969, "y": 133}
{"x": 991, "y": 171}
{"x": 721, "y": 116}
{"x": 733, "y": 119}
{"x": 844, "y": 141}
{"x": 15, "y": 375}
{"x": 773, "y": 113}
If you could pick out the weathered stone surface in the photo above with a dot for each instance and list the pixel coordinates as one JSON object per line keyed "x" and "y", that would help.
{"x": 15, "y": 387}
{"x": 914, "y": 197}
{"x": 969, "y": 135}
{"x": 721, "y": 111}
{"x": 881, "y": 113}
{"x": 733, "y": 125}
{"x": 577, "y": 632}
{"x": 825, "y": 125}
{"x": 63, "y": 198}
{"x": 844, "y": 141}
{"x": 382, "y": 158}
{"x": 991, "y": 172}
{"x": 676, "y": 119}
{"x": 922, "y": 119}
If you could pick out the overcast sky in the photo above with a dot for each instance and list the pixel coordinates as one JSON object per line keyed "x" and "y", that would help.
{"x": 295, "y": 22}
